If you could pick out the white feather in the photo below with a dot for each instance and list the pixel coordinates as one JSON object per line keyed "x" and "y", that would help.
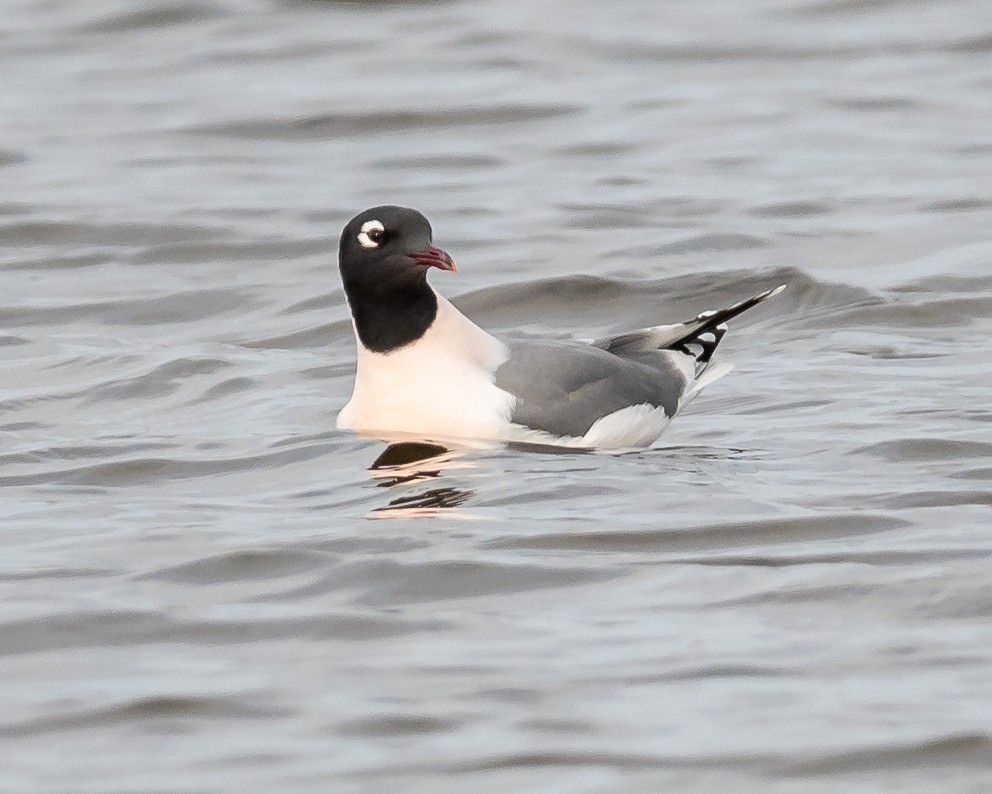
{"x": 712, "y": 373}
{"x": 635, "y": 426}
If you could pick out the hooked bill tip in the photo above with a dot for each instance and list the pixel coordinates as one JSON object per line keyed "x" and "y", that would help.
{"x": 434, "y": 257}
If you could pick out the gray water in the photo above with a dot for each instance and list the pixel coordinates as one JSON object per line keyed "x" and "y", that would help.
{"x": 205, "y": 587}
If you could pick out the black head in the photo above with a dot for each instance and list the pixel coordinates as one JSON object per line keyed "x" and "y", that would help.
{"x": 384, "y": 256}
{"x": 386, "y": 247}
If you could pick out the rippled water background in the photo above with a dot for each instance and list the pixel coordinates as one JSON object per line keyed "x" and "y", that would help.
{"x": 791, "y": 593}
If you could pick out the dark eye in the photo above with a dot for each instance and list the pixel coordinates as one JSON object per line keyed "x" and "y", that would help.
{"x": 372, "y": 233}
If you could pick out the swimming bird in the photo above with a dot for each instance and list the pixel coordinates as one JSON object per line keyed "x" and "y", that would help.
{"x": 425, "y": 369}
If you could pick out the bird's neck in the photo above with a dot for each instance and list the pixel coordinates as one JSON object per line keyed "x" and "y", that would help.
{"x": 387, "y": 319}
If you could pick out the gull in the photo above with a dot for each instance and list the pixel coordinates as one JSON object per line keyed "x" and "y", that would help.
{"x": 424, "y": 369}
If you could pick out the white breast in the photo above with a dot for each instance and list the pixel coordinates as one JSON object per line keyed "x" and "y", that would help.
{"x": 439, "y": 386}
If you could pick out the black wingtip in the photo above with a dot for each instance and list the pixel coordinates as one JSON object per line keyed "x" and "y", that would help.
{"x": 712, "y": 319}
{"x": 702, "y": 345}
{"x": 748, "y": 303}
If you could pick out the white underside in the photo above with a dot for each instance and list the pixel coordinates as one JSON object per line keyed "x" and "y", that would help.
{"x": 634, "y": 427}
{"x": 450, "y": 372}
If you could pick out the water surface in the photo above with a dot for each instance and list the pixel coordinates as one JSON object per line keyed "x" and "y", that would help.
{"x": 206, "y": 587}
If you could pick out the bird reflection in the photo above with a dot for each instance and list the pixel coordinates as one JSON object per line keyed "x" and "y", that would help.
{"x": 411, "y": 462}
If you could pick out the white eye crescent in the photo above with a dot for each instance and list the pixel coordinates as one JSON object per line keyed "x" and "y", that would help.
{"x": 371, "y": 234}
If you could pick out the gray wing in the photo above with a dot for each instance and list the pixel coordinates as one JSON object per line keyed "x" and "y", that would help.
{"x": 563, "y": 387}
